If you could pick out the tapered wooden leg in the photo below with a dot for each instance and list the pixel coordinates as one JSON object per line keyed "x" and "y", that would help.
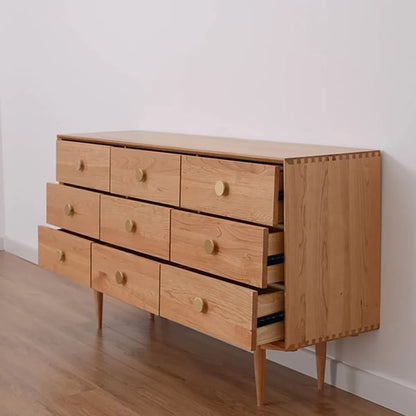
{"x": 98, "y": 300}
{"x": 320, "y": 352}
{"x": 151, "y": 316}
{"x": 259, "y": 373}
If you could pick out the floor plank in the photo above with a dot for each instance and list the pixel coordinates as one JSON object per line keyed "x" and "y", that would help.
{"x": 53, "y": 361}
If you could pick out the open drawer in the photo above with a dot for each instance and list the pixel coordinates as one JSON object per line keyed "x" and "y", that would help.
{"x": 250, "y": 254}
{"x": 236, "y": 314}
{"x": 247, "y": 191}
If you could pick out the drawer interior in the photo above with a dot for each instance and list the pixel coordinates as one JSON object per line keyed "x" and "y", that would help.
{"x": 270, "y": 316}
{"x": 275, "y": 257}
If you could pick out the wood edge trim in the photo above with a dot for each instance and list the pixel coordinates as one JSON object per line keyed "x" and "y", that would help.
{"x": 91, "y": 244}
{"x": 254, "y": 306}
{"x": 110, "y": 161}
{"x": 180, "y": 181}
{"x": 350, "y": 333}
{"x": 99, "y": 216}
{"x": 275, "y": 202}
{"x": 265, "y": 248}
{"x": 333, "y": 157}
{"x": 159, "y": 265}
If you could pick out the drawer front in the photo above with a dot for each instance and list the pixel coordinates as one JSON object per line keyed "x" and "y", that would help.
{"x": 220, "y": 309}
{"x": 227, "y": 248}
{"x": 125, "y": 276}
{"x": 73, "y": 209}
{"x": 135, "y": 225}
{"x": 83, "y": 164}
{"x": 153, "y": 176}
{"x": 241, "y": 190}
{"x": 64, "y": 254}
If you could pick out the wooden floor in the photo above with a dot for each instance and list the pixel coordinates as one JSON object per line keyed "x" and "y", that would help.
{"x": 54, "y": 362}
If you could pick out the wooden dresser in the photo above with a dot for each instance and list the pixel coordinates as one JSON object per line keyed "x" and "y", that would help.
{"x": 261, "y": 244}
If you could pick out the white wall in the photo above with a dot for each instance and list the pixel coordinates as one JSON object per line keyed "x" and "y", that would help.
{"x": 332, "y": 72}
{"x": 1, "y": 190}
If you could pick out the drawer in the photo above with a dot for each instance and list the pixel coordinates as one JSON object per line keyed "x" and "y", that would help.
{"x": 246, "y": 253}
{"x": 153, "y": 176}
{"x": 223, "y": 310}
{"x": 125, "y": 276}
{"x": 135, "y": 225}
{"x": 64, "y": 254}
{"x": 73, "y": 209}
{"x": 83, "y": 164}
{"x": 241, "y": 190}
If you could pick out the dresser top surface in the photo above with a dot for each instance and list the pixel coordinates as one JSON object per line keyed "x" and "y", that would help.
{"x": 260, "y": 150}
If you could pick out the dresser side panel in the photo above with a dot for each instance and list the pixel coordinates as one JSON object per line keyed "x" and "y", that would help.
{"x": 332, "y": 247}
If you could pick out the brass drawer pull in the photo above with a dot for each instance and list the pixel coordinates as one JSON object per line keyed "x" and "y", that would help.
{"x": 69, "y": 210}
{"x": 221, "y": 188}
{"x": 79, "y": 165}
{"x": 199, "y": 305}
{"x": 210, "y": 246}
{"x": 130, "y": 226}
{"x": 120, "y": 278}
{"x": 60, "y": 255}
{"x": 140, "y": 175}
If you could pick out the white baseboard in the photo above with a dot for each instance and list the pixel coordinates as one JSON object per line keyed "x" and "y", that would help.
{"x": 20, "y": 249}
{"x": 377, "y": 388}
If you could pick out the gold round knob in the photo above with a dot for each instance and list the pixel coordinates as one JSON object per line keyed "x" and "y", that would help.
{"x": 120, "y": 277}
{"x": 220, "y": 188}
{"x": 210, "y": 246}
{"x": 199, "y": 304}
{"x": 140, "y": 175}
{"x": 130, "y": 226}
{"x": 60, "y": 255}
{"x": 69, "y": 210}
{"x": 79, "y": 165}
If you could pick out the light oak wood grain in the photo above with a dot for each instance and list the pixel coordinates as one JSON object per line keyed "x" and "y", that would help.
{"x": 85, "y": 218}
{"x": 75, "y": 259}
{"x": 229, "y": 310}
{"x": 259, "y": 150}
{"x": 251, "y": 189}
{"x": 270, "y": 333}
{"x": 331, "y": 239}
{"x": 94, "y": 171}
{"x": 152, "y": 225}
{"x": 161, "y": 175}
{"x": 275, "y": 243}
{"x": 141, "y": 285}
{"x": 270, "y": 302}
{"x": 332, "y": 247}
{"x": 240, "y": 249}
